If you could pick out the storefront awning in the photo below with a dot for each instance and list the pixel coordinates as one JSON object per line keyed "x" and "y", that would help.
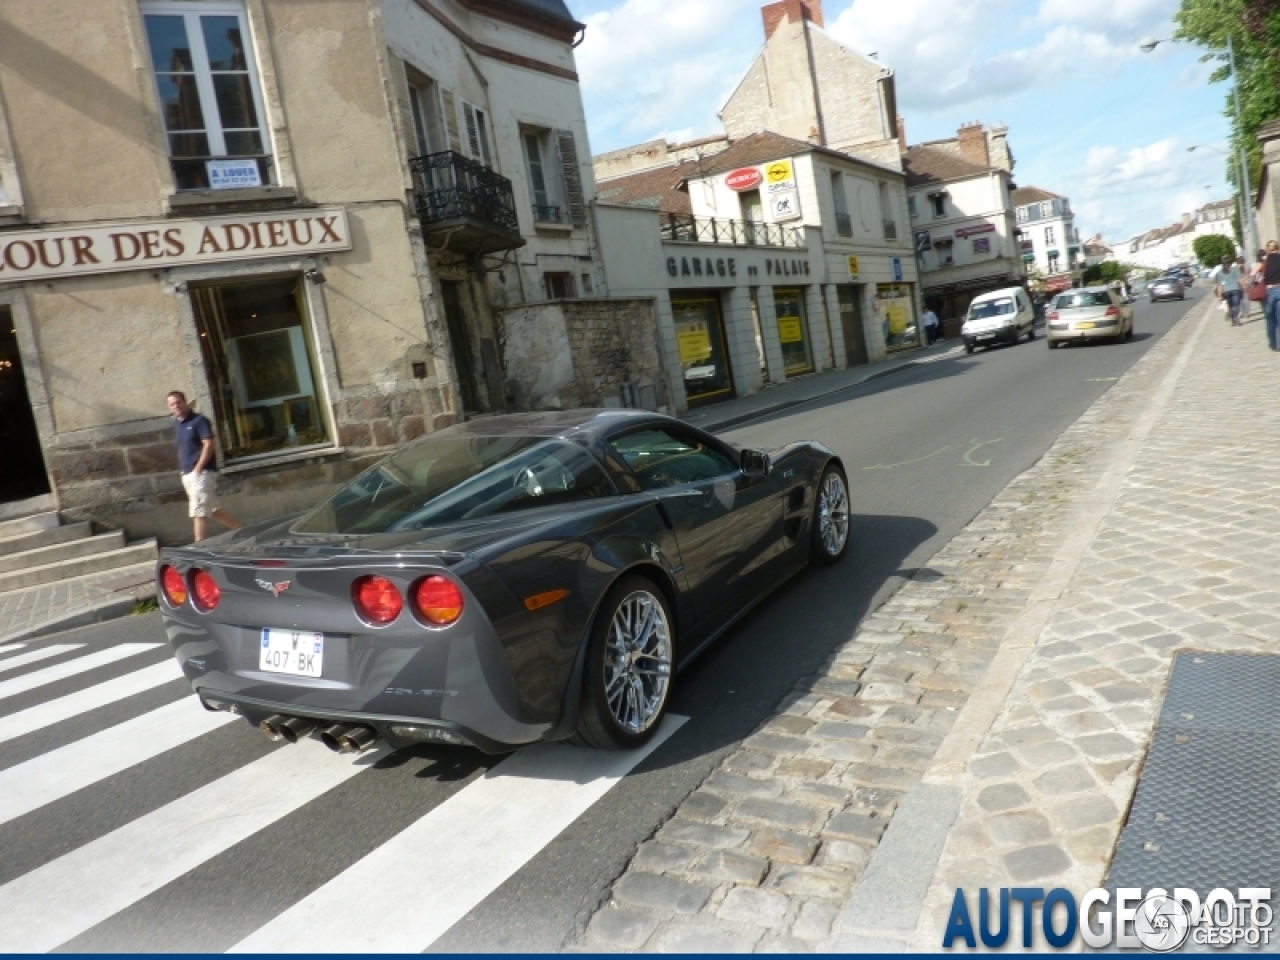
{"x": 1051, "y": 253}
{"x": 1028, "y": 257}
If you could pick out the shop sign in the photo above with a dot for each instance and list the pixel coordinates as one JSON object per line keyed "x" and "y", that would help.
{"x": 158, "y": 245}
{"x": 747, "y": 178}
{"x": 728, "y": 267}
{"x": 923, "y": 241}
{"x": 982, "y": 245}
{"x": 980, "y": 228}
{"x": 785, "y": 205}
{"x": 790, "y": 329}
{"x": 853, "y": 267}
{"x": 230, "y": 174}
{"x": 897, "y": 268}
{"x": 780, "y": 175}
{"x": 694, "y": 345}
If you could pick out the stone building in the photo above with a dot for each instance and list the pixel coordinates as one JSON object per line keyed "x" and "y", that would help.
{"x": 959, "y": 192}
{"x": 1050, "y": 242}
{"x": 335, "y": 226}
{"x": 1266, "y": 209}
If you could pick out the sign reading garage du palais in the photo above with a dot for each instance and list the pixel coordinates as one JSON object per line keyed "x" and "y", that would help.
{"x": 159, "y": 244}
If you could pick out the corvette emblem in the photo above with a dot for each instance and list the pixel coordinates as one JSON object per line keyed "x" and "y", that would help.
{"x": 275, "y": 589}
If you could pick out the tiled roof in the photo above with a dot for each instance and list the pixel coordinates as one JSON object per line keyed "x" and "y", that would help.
{"x": 1025, "y": 195}
{"x": 655, "y": 187}
{"x": 927, "y": 164}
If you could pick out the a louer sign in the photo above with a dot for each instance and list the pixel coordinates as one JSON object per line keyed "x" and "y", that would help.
{"x": 109, "y": 248}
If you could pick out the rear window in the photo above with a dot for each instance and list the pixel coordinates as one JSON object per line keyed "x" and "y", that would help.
{"x": 1067, "y": 301}
{"x": 446, "y": 479}
{"x": 991, "y": 308}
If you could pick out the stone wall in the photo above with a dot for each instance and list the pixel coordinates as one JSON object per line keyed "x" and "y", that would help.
{"x": 583, "y": 353}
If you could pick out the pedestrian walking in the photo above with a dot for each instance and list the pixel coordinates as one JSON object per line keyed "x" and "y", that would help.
{"x": 1269, "y": 269}
{"x": 1229, "y": 290}
{"x": 194, "y": 435}
{"x": 930, "y": 325}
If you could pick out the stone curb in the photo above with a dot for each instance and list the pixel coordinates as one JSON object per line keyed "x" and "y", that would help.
{"x": 99, "y": 612}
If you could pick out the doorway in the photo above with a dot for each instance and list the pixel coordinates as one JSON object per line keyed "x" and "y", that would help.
{"x": 855, "y": 335}
{"x": 463, "y": 360}
{"x": 22, "y": 472}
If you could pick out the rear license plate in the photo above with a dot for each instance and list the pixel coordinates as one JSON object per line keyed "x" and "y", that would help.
{"x": 985, "y": 336}
{"x": 291, "y": 652}
{"x": 1087, "y": 325}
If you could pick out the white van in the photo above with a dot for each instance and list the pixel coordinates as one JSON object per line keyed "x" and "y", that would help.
{"x": 1001, "y": 316}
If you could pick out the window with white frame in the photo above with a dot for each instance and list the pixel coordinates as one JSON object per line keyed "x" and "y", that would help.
{"x": 477, "y": 133}
{"x": 1024, "y": 214}
{"x": 424, "y": 111}
{"x": 210, "y": 98}
{"x": 542, "y": 184}
{"x": 911, "y": 207}
{"x": 1049, "y": 236}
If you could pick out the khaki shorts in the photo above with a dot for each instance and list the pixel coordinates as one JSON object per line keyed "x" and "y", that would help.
{"x": 201, "y": 490}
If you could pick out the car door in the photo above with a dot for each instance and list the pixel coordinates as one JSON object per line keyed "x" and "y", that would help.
{"x": 723, "y": 521}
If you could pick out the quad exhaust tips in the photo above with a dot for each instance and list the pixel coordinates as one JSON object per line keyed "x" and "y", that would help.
{"x": 291, "y": 729}
{"x": 346, "y": 738}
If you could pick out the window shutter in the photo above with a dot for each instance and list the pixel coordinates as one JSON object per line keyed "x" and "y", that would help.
{"x": 573, "y": 195}
{"x": 451, "y": 120}
{"x": 473, "y": 136}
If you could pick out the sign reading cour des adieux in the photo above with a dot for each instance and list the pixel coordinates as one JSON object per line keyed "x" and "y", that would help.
{"x": 152, "y": 245}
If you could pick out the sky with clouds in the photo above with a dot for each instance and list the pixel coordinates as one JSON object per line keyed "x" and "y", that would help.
{"x": 1090, "y": 116}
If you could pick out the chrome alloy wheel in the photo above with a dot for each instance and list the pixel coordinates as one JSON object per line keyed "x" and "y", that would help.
{"x": 637, "y": 661}
{"x": 833, "y": 514}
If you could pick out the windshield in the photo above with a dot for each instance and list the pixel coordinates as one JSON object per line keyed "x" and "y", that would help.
{"x": 991, "y": 308}
{"x": 1082, "y": 299}
{"x": 447, "y": 479}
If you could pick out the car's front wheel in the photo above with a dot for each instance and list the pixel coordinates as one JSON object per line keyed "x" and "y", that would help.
{"x": 630, "y": 665}
{"x": 829, "y": 538}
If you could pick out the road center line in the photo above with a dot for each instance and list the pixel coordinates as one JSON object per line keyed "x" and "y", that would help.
{"x": 30, "y": 681}
{"x": 433, "y": 873}
{"x": 65, "y": 897}
{"x": 73, "y": 704}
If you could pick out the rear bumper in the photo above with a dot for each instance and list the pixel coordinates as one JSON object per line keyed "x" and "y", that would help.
{"x": 1054, "y": 332}
{"x": 990, "y": 337}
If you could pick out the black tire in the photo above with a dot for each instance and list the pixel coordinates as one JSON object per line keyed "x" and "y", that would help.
{"x": 1053, "y": 344}
{"x": 820, "y": 548}
{"x": 1031, "y": 333}
{"x": 597, "y": 725}
{"x": 968, "y": 348}
{"x": 1128, "y": 334}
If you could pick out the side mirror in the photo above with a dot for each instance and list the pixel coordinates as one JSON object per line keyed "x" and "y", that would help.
{"x": 754, "y": 463}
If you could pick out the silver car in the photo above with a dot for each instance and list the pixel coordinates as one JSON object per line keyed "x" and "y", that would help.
{"x": 1167, "y": 288}
{"x": 1088, "y": 313}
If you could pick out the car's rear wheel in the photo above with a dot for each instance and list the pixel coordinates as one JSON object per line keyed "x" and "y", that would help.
{"x": 829, "y": 537}
{"x": 968, "y": 348}
{"x": 1031, "y": 333}
{"x": 630, "y": 664}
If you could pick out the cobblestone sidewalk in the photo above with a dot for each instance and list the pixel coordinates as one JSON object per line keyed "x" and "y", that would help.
{"x": 64, "y": 604}
{"x": 772, "y": 851}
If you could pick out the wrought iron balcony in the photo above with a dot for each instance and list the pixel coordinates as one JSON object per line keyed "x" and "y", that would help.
{"x": 890, "y": 230}
{"x": 685, "y": 228}
{"x": 463, "y": 205}
{"x": 844, "y": 225}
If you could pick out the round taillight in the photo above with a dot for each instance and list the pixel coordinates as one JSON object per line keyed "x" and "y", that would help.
{"x": 173, "y": 586}
{"x": 206, "y": 592}
{"x": 377, "y": 600}
{"x": 438, "y": 600}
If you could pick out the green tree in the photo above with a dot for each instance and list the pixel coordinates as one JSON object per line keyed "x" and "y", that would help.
{"x": 1254, "y": 28}
{"x": 1109, "y": 271}
{"x": 1211, "y": 248}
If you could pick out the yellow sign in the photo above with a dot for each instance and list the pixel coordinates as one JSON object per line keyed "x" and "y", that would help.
{"x": 790, "y": 330}
{"x": 694, "y": 345}
{"x": 853, "y": 266}
{"x": 778, "y": 171}
{"x": 897, "y": 315}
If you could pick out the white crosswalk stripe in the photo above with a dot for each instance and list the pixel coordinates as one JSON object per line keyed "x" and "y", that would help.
{"x": 44, "y": 779}
{"x": 10, "y": 647}
{"x": 477, "y": 839}
{"x": 61, "y": 671}
{"x": 35, "y": 656}
{"x": 73, "y": 704}
{"x": 65, "y": 897}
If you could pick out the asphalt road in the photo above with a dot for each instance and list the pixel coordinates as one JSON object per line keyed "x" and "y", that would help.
{"x": 925, "y": 450}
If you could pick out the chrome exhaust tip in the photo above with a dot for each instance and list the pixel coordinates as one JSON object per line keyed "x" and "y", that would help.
{"x": 331, "y": 737}
{"x": 357, "y": 740}
{"x": 295, "y": 728}
{"x": 271, "y": 727}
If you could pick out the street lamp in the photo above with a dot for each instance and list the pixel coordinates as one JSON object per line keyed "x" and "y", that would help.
{"x": 1247, "y": 223}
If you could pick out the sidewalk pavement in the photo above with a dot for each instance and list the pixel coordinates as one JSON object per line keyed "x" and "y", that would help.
{"x": 65, "y": 604}
{"x": 790, "y": 393}
{"x": 987, "y": 725}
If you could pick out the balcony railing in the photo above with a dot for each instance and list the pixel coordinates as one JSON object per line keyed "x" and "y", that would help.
{"x": 685, "y": 228}
{"x": 844, "y": 225}
{"x": 890, "y": 230}
{"x": 546, "y": 213}
{"x": 467, "y": 205}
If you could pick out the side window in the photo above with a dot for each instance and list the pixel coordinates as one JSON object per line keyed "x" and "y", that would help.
{"x": 664, "y": 458}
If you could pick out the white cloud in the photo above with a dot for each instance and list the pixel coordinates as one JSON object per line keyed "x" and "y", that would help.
{"x": 1117, "y": 17}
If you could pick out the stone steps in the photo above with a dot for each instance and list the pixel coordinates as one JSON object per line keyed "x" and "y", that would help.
{"x": 29, "y": 524}
{"x": 35, "y": 539}
{"x": 55, "y": 553}
{"x": 69, "y": 568}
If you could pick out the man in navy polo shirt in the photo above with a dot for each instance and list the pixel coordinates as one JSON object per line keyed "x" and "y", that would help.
{"x": 194, "y": 435}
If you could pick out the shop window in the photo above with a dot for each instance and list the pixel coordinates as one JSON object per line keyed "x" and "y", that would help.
{"x": 896, "y": 312}
{"x": 793, "y": 331}
{"x": 256, "y": 341}
{"x": 210, "y": 100}
{"x": 700, "y": 340}
{"x": 559, "y": 286}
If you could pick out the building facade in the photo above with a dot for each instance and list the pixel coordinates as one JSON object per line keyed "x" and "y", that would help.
{"x": 1050, "y": 243}
{"x": 769, "y": 260}
{"x": 336, "y": 227}
{"x": 962, "y": 220}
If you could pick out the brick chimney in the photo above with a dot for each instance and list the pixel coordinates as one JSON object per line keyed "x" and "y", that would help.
{"x": 902, "y": 137}
{"x": 793, "y": 11}
{"x": 973, "y": 143}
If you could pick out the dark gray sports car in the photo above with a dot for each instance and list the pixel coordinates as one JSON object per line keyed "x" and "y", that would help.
{"x": 520, "y": 578}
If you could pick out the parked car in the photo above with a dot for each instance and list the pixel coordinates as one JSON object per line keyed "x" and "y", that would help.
{"x": 1086, "y": 314}
{"x": 514, "y": 579}
{"x": 1166, "y": 288}
{"x": 1001, "y": 316}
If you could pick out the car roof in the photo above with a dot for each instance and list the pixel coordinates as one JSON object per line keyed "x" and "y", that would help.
{"x": 551, "y": 423}
{"x": 1098, "y": 288}
{"x": 997, "y": 294}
